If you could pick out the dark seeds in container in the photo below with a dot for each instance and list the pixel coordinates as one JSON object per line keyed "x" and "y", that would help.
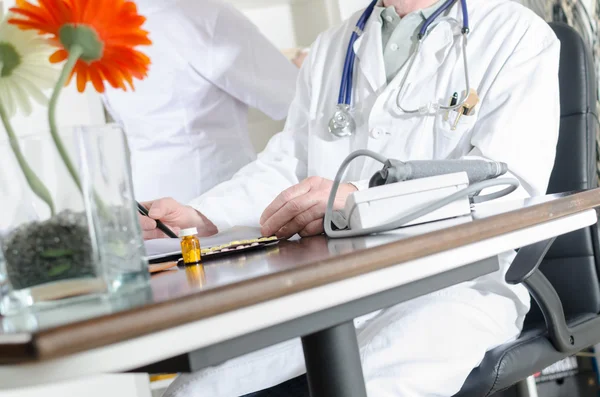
{"x": 53, "y": 250}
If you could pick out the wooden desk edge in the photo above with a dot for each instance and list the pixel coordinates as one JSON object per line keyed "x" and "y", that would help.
{"x": 105, "y": 330}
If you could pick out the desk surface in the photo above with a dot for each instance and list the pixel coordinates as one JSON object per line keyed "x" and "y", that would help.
{"x": 182, "y": 296}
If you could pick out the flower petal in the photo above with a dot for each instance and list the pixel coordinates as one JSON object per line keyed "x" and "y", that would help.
{"x": 22, "y": 101}
{"x": 96, "y": 78}
{"x": 34, "y": 91}
{"x": 117, "y": 23}
{"x": 59, "y": 56}
{"x": 8, "y": 100}
{"x": 44, "y": 77}
{"x": 82, "y": 76}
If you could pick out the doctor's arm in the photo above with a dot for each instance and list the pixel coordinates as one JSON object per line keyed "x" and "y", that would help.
{"x": 241, "y": 200}
{"x": 277, "y": 181}
{"x": 519, "y": 116}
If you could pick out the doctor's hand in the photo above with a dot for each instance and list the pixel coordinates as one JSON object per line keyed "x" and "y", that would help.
{"x": 174, "y": 215}
{"x": 301, "y": 208}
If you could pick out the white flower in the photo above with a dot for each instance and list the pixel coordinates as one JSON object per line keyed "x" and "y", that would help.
{"x": 25, "y": 69}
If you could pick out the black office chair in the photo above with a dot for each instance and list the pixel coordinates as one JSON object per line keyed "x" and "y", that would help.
{"x": 566, "y": 287}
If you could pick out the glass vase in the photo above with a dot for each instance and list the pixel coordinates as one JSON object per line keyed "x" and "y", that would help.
{"x": 88, "y": 243}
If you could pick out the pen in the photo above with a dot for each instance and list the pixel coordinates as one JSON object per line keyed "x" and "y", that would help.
{"x": 465, "y": 111}
{"x": 467, "y": 107}
{"x": 159, "y": 224}
{"x": 454, "y": 99}
{"x": 453, "y": 102}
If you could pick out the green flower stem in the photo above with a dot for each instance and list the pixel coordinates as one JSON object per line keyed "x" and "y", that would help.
{"x": 36, "y": 185}
{"x": 74, "y": 53}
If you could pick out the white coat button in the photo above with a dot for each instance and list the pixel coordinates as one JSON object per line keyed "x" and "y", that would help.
{"x": 389, "y": 18}
{"x": 377, "y": 133}
{"x": 394, "y": 47}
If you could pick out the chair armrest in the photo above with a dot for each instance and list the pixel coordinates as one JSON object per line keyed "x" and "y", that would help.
{"x": 549, "y": 302}
{"x": 527, "y": 261}
{"x": 525, "y": 269}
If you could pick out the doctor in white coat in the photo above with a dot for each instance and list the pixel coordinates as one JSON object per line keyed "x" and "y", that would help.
{"x": 187, "y": 124}
{"x": 425, "y": 347}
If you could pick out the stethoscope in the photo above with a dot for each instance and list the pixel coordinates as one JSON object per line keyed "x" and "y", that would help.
{"x": 342, "y": 123}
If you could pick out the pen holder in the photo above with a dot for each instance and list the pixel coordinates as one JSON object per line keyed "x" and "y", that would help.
{"x": 81, "y": 238}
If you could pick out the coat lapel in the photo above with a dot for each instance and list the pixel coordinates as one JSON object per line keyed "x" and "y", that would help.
{"x": 369, "y": 51}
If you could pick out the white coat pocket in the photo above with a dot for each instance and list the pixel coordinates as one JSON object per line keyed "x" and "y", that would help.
{"x": 450, "y": 131}
{"x": 453, "y": 125}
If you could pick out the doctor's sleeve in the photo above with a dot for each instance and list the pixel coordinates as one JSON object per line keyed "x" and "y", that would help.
{"x": 241, "y": 200}
{"x": 519, "y": 116}
{"x": 249, "y": 67}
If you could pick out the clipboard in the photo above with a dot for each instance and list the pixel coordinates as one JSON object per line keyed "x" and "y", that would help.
{"x": 168, "y": 249}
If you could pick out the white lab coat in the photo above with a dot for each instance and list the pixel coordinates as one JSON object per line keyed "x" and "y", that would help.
{"x": 186, "y": 123}
{"x": 428, "y": 346}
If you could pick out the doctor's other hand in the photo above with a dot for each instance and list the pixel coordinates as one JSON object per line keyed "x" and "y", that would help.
{"x": 174, "y": 215}
{"x": 301, "y": 208}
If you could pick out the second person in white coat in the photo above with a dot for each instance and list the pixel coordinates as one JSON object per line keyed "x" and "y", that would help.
{"x": 425, "y": 347}
{"x": 187, "y": 123}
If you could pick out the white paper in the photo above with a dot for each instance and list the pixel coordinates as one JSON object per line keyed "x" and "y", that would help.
{"x": 164, "y": 247}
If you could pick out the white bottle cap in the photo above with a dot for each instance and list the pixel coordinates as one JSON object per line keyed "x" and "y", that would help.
{"x": 188, "y": 232}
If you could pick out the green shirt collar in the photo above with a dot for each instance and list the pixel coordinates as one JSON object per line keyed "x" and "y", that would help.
{"x": 390, "y": 11}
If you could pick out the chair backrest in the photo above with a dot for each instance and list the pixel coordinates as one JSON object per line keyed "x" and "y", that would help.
{"x": 571, "y": 264}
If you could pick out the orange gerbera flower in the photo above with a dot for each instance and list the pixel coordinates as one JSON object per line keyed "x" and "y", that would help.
{"x": 103, "y": 32}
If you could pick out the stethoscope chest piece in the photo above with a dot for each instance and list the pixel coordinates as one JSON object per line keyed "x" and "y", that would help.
{"x": 342, "y": 123}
